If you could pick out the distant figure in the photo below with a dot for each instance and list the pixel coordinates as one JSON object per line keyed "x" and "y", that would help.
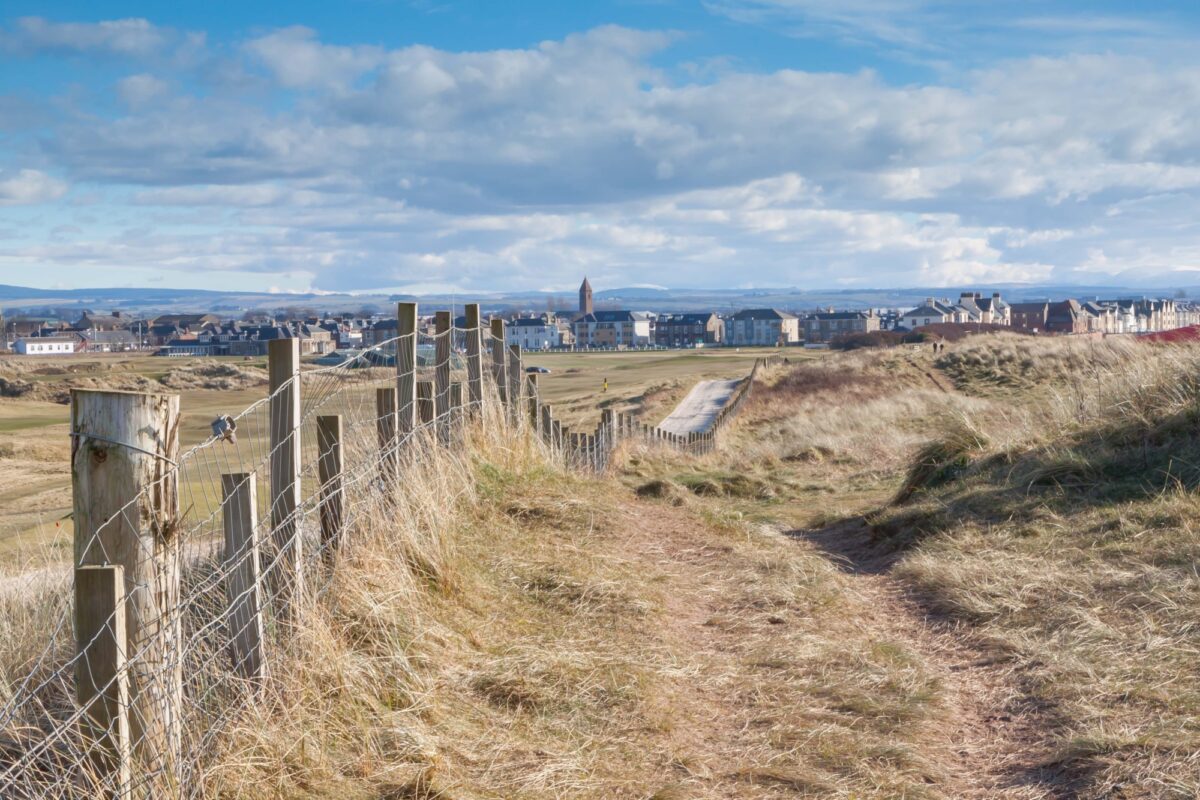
{"x": 605, "y": 389}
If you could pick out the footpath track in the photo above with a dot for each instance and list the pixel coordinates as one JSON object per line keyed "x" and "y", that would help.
{"x": 700, "y": 408}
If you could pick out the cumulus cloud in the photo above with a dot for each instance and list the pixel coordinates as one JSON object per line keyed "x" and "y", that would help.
{"x": 28, "y": 187}
{"x": 297, "y": 59}
{"x": 127, "y": 37}
{"x": 137, "y": 91}
{"x": 388, "y": 167}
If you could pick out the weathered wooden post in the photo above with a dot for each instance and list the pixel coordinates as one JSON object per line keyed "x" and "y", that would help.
{"x": 499, "y": 362}
{"x": 406, "y": 368}
{"x": 474, "y": 358}
{"x": 457, "y": 415}
{"x": 243, "y": 587}
{"x": 443, "y": 343}
{"x": 534, "y": 415}
{"x": 101, "y": 676}
{"x": 332, "y": 498}
{"x": 286, "y": 576}
{"x": 126, "y": 513}
{"x": 608, "y": 435}
{"x": 514, "y": 382}
{"x": 547, "y": 425}
{"x": 386, "y": 429}
{"x": 425, "y": 402}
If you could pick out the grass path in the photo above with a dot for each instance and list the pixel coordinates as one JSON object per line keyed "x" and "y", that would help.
{"x": 998, "y": 739}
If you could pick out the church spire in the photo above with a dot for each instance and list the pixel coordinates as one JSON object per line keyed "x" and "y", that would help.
{"x": 585, "y": 298}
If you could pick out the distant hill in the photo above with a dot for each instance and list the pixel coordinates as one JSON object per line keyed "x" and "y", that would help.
{"x": 18, "y": 299}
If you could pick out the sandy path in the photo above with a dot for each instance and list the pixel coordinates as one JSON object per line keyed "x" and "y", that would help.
{"x": 1000, "y": 740}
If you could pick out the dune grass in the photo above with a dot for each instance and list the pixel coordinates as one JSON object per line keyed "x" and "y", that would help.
{"x": 670, "y": 630}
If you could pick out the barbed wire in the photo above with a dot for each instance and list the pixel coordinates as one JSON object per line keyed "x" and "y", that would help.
{"x": 211, "y": 593}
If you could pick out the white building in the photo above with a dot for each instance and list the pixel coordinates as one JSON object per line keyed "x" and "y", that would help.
{"x": 46, "y": 346}
{"x": 537, "y": 333}
{"x": 933, "y": 312}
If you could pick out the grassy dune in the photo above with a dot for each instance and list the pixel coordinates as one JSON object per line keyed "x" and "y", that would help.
{"x": 1031, "y": 498}
{"x": 903, "y": 575}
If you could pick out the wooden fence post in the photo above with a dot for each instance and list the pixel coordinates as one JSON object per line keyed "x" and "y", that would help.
{"x": 474, "y": 358}
{"x": 126, "y": 512}
{"x": 406, "y": 368}
{"x": 286, "y": 576}
{"x": 514, "y": 382}
{"x": 243, "y": 590}
{"x": 101, "y": 677}
{"x": 425, "y": 402}
{"x": 547, "y": 426}
{"x": 456, "y": 408}
{"x": 534, "y": 415}
{"x": 499, "y": 363}
{"x": 386, "y": 431}
{"x": 332, "y": 498}
{"x": 443, "y": 344}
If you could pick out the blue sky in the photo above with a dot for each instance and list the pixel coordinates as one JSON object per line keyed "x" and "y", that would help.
{"x": 431, "y": 145}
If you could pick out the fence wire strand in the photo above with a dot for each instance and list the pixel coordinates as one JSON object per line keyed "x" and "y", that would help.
{"x": 210, "y": 597}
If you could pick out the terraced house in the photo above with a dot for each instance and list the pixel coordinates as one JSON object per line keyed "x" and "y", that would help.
{"x": 689, "y": 330}
{"x": 763, "y": 327}
{"x": 931, "y": 312}
{"x": 615, "y": 330}
{"x": 825, "y": 326}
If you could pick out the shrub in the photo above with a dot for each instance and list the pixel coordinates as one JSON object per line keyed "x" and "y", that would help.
{"x": 858, "y": 341}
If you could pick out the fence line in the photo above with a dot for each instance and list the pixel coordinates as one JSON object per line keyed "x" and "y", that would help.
{"x": 594, "y": 450}
{"x": 192, "y": 569}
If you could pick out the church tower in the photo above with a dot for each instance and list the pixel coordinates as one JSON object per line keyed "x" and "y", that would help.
{"x": 585, "y": 298}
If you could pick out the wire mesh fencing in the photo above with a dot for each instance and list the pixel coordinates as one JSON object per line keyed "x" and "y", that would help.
{"x": 192, "y": 571}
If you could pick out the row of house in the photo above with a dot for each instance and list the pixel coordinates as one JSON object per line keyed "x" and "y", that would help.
{"x": 181, "y": 335}
{"x": 618, "y": 330}
{"x": 589, "y": 328}
{"x": 1069, "y": 316}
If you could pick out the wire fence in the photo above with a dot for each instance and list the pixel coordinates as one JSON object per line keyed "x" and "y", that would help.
{"x": 192, "y": 569}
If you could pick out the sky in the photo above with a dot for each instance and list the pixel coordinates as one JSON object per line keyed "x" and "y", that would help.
{"x": 437, "y": 145}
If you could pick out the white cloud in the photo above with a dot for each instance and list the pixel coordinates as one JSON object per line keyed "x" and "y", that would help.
{"x": 136, "y": 91}
{"x": 29, "y": 187}
{"x": 126, "y": 37}
{"x": 393, "y": 167}
{"x": 297, "y": 59}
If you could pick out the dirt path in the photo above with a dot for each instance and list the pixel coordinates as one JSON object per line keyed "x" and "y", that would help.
{"x": 744, "y": 690}
{"x": 999, "y": 740}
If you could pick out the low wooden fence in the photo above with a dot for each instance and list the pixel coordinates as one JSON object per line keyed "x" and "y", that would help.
{"x": 593, "y": 449}
{"x": 190, "y": 567}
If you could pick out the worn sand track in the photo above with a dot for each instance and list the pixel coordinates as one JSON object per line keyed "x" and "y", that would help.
{"x": 1000, "y": 740}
